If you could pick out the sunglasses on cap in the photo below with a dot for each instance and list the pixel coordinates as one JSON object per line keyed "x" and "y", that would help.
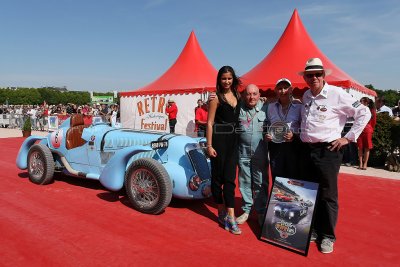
{"x": 311, "y": 75}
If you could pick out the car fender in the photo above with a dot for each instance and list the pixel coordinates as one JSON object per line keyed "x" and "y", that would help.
{"x": 22, "y": 158}
{"x": 178, "y": 178}
{"x": 113, "y": 175}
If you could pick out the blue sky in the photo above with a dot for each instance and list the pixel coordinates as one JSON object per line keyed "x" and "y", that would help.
{"x": 107, "y": 45}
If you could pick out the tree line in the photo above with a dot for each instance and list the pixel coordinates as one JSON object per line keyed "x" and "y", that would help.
{"x": 391, "y": 96}
{"x": 36, "y": 96}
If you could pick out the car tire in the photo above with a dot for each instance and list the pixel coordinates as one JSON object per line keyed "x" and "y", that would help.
{"x": 148, "y": 186}
{"x": 40, "y": 164}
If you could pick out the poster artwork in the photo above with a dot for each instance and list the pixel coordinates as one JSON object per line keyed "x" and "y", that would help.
{"x": 151, "y": 111}
{"x": 289, "y": 215}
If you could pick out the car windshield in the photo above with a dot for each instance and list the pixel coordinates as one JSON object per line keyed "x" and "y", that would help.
{"x": 99, "y": 120}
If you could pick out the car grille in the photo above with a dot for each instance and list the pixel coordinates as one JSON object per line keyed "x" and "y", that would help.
{"x": 200, "y": 164}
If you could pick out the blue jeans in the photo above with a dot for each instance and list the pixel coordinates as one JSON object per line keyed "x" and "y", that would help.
{"x": 253, "y": 184}
{"x": 34, "y": 123}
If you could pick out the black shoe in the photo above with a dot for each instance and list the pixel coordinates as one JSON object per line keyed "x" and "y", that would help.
{"x": 314, "y": 236}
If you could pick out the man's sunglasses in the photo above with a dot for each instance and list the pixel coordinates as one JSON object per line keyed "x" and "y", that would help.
{"x": 311, "y": 75}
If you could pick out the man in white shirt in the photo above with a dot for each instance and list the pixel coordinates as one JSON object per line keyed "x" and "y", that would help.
{"x": 324, "y": 115}
{"x": 32, "y": 113}
{"x": 381, "y": 107}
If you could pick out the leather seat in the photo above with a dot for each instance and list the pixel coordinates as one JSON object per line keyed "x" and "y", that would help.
{"x": 74, "y": 133}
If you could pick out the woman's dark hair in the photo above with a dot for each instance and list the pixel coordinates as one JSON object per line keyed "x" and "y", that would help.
{"x": 235, "y": 83}
{"x": 370, "y": 102}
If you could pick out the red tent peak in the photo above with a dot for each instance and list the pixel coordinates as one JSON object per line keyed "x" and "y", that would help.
{"x": 190, "y": 72}
{"x": 288, "y": 57}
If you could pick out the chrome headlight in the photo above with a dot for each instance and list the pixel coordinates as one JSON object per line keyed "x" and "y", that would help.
{"x": 194, "y": 183}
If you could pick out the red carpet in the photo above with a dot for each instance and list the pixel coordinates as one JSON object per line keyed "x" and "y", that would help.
{"x": 75, "y": 222}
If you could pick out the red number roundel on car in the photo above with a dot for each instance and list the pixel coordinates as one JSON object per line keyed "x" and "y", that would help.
{"x": 56, "y": 138}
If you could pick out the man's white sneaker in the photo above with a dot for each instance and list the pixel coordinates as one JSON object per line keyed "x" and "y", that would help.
{"x": 326, "y": 246}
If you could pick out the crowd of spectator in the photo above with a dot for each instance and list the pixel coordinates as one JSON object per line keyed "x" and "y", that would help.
{"x": 38, "y": 114}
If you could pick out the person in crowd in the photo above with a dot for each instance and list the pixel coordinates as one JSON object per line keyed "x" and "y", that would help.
{"x": 40, "y": 118}
{"x": 114, "y": 114}
{"x": 324, "y": 113}
{"x": 95, "y": 109}
{"x": 396, "y": 110}
{"x": 200, "y": 118}
{"x": 223, "y": 112}
{"x": 103, "y": 111}
{"x": 253, "y": 154}
{"x": 350, "y": 154}
{"x": 85, "y": 110}
{"x": 381, "y": 106}
{"x": 59, "y": 109}
{"x": 283, "y": 152}
{"x": 71, "y": 109}
{"x": 32, "y": 114}
{"x": 19, "y": 117}
{"x": 364, "y": 142}
{"x": 172, "y": 111}
{"x": 199, "y": 105}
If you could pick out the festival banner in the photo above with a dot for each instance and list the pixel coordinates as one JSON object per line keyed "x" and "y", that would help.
{"x": 150, "y": 112}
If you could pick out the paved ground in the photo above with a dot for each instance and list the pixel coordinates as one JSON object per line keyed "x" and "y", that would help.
{"x": 380, "y": 173}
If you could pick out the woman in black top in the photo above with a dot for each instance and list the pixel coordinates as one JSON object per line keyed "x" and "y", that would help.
{"x": 223, "y": 113}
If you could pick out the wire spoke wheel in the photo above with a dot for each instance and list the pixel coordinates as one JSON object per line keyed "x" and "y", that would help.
{"x": 144, "y": 187}
{"x": 148, "y": 186}
{"x": 36, "y": 165}
{"x": 40, "y": 164}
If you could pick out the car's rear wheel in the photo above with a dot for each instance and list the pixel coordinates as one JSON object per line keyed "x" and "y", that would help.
{"x": 40, "y": 164}
{"x": 148, "y": 186}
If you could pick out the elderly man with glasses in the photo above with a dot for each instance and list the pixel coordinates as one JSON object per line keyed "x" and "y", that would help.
{"x": 323, "y": 116}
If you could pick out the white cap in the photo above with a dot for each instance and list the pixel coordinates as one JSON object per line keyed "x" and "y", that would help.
{"x": 284, "y": 80}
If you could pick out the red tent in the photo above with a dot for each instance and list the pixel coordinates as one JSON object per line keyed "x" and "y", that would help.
{"x": 191, "y": 72}
{"x": 288, "y": 57}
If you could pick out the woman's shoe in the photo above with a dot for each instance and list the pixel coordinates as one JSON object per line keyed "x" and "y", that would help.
{"x": 221, "y": 217}
{"x": 232, "y": 226}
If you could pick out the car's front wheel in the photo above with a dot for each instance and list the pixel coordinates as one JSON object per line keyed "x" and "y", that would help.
{"x": 148, "y": 186}
{"x": 40, "y": 164}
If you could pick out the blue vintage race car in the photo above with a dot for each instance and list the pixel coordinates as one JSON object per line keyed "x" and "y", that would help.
{"x": 152, "y": 166}
{"x": 292, "y": 211}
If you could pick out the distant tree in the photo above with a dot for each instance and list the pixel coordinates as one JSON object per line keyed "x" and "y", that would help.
{"x": 23, "y": 96}
{"x": 381, "y": 139}
{"x": 51, "y": 96}
{"x": 391, "y": 96}
{"x": 79, "y": 98}
{"x": 370, "y": 86}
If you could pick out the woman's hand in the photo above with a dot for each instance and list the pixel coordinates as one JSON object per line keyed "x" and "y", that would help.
{"x": 211, "y": 152}
{"x": 211, "y": 96}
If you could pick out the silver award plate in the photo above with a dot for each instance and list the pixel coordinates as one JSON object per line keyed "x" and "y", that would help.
{"x": 277, "y": 130}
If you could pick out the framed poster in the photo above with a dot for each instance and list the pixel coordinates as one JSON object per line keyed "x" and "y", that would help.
{"x": 290, "y": 213}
